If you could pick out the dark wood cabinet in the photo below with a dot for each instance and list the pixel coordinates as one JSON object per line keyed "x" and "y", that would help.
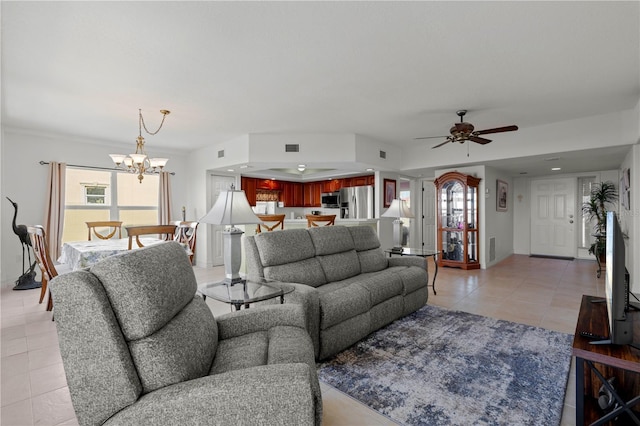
{"x": 312, "y": 191}
{"x": 292, "y": 194}
{"x": 331, "y": 185}
{"x": 457, "y": 212}
{"x": 249, "y": 186}
{"x": 268, "y": 184}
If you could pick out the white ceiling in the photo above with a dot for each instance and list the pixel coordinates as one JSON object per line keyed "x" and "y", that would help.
{"x": 391, "y": 71}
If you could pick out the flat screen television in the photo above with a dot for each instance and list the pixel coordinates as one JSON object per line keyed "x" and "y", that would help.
{"x": 617, "y": 285}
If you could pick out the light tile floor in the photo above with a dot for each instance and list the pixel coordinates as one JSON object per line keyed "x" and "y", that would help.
{"x": 534, "y": 291}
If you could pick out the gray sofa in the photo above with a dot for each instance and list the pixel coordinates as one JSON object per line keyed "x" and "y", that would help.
{"x": 347, "y": 285}
{"x": 140, "y": 348}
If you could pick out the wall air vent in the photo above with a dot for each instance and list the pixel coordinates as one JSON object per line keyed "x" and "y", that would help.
{"x": 292, "y": 147}
{"x": 492, "y": 249}
{"x": 383, "y": 154}
{"x": 221, "y": 153}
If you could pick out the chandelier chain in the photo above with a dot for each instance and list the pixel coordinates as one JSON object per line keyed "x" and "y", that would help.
{"x": 141, "y": 124}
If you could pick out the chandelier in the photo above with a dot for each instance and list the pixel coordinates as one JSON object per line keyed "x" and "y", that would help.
{"x": 139, "y": 162}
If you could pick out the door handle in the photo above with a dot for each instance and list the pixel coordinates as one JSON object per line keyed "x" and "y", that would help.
{"x": 570, "y": 221}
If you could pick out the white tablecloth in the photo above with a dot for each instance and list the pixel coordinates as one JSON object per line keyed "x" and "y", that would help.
{"x": 82, "y": 254}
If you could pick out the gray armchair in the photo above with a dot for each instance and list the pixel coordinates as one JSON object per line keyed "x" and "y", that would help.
{"x": 139, "y": 347}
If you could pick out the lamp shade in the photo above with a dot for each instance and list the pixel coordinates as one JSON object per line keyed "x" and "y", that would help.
{"x": 398, "y": 208}
{"x": 231, "y": 208}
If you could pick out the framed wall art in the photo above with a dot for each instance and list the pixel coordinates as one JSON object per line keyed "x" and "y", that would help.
{"x": 502, "y": 195}
{"x": 389, "y": 191}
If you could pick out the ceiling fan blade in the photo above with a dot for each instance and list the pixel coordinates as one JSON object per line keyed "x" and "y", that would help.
{"x": 439, "y": 145}
{"x": 496, "y": 130}
{"x": 431, "y": 137}
{"x": 482, "y": 141}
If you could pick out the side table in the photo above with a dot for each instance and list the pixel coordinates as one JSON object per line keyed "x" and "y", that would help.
{"x": 243, "y": 293}
{"x": 421, "y": 253}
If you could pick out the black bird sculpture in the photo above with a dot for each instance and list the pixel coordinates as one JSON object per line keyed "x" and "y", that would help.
{"x": 26, "y": 280}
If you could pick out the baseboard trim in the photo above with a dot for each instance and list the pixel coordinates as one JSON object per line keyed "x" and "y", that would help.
{"x": 545, "y": 256}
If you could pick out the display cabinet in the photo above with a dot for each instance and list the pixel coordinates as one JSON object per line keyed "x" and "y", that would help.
{"x": 457, "y": 212}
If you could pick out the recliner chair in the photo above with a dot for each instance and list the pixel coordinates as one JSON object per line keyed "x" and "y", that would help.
{"x": 140, "y": 347}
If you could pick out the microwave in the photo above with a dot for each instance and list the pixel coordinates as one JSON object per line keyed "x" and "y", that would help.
{"x": 330, "y": 200}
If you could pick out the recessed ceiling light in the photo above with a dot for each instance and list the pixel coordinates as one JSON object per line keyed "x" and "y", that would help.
{"x": 244, "y": 166}
{"x": 230, "y": 170}
{"x": 369, "y": 169}
{"x": 556, "y": 168}
{"x": 301, "y": 167}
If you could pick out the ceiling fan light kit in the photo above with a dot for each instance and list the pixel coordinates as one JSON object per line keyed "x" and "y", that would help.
{"x": 463, "y": 131}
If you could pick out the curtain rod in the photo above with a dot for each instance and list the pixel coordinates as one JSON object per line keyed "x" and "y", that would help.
{"x": 42, "y": 163}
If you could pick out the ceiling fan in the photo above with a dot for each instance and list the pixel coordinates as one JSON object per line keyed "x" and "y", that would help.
{"x": 463, "y": 131}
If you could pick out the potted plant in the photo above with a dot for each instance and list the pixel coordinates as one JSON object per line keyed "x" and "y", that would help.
{"x": 602, "y": 196}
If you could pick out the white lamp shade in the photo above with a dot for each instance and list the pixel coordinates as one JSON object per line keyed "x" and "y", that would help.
{"x": 398, "y": 208}
{"x": 158, "y": 162}
{"x": 138, "y": 158}
{"x": 117, "y": 158}
{"x": 231, "y": 208}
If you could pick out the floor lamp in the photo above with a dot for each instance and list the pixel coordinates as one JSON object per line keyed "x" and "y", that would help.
{"x": 397, "y": 209}
{"x": 231, "y": 208}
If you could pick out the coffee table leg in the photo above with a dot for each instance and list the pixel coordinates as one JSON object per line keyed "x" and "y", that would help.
{"x": 435, "y": 274}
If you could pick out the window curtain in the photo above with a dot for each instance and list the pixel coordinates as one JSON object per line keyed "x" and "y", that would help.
{"x": 53, "y": 222}
{"x": 164, "y": 199}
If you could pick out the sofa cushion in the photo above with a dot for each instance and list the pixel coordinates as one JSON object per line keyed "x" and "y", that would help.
{"x": 278, "y": 248}
{"x": 339, "y": 266}
{"x": 381, "y": 286}
{"x": 364, "y": 237}
{"x": 308, "y": 271}
{"x": 372, "y": 260}
{"x": 342, "y": 303}
{"x": 331, "y": 239}
{"x": 143, "y": 305}
{"x": 412, "y": 278}
{"x": 172, "y": 355}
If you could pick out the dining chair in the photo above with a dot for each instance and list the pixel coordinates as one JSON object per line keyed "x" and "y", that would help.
{"x": 186, "y": 234}
{"x": 320, "y": 220}
{"x": 270, "y": 222}
{"x": 164, "y": 232}
{"x": 111, "y": 225}
{"x": 48, "y": 268}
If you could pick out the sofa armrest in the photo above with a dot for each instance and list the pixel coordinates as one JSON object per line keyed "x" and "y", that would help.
{"x": 408, "y": 261}
{"x": 268, "y": 394}
{"x": 306, "y": 296}
{"x": 259, "y": 318}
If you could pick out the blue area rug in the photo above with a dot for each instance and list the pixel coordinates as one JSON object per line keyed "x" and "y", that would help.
{"x": 443, "y": 367}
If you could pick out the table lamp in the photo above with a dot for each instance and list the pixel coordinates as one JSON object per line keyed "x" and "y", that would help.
{"x": 231, "y": 208}
{"x": 397, "y": 209}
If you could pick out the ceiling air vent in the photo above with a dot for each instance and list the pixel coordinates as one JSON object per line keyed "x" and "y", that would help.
{"x": 383, "y": 154}
{"x": 221, "y": 153}
{"x": 292, "y": 147}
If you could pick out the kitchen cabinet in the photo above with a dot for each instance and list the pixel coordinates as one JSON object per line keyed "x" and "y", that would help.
{"x": 457, "y": 213}
{"x": 331, "y": 185}
{"x": 249, "y": 186}
{"x": 268, "y": 184}
{"x": 312, "y": 192}
{"x": 292, "y": 194}
{"x": 359, "y": 181}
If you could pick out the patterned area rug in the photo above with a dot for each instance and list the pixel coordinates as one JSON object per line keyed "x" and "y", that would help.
{"x": 443, "y": 367}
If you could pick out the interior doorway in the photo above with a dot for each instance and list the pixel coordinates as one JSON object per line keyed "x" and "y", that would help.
{"x": 217, "y": 183}
{"x": 553, "y": 217}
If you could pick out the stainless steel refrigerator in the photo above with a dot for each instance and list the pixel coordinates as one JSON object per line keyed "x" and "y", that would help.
{"x": 356, "y": 202}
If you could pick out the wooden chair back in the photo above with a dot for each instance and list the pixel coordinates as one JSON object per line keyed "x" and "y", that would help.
{"x": 320, "y": 220}
{"x": 164, "y": 232}
{"x": 270, "y": 222}
{"x": 186, "y": 234}
{"x": 47, "y": 267}
{"x": 112, "y": 226}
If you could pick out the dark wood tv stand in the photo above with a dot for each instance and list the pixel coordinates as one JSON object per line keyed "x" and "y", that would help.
{"x": 604, "y": 362}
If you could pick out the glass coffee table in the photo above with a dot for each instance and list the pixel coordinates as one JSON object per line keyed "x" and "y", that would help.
{"x": 246, "y": 292}
{"x": 421, "y": 253}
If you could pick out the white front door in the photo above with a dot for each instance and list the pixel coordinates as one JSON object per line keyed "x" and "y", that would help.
{"x": 217, "y": 183}
{"x": 428, "y": 215}
{"x": 553, "y": 217}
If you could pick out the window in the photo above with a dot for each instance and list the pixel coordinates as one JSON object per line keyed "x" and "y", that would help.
{"x": 586, "y": 228}
{"x": 94, "y": 195}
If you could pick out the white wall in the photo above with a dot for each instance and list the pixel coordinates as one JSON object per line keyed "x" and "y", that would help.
{"x": 24, "y": 180}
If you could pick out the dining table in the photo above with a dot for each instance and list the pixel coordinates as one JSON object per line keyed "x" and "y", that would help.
{"x": 83, "y": 254}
